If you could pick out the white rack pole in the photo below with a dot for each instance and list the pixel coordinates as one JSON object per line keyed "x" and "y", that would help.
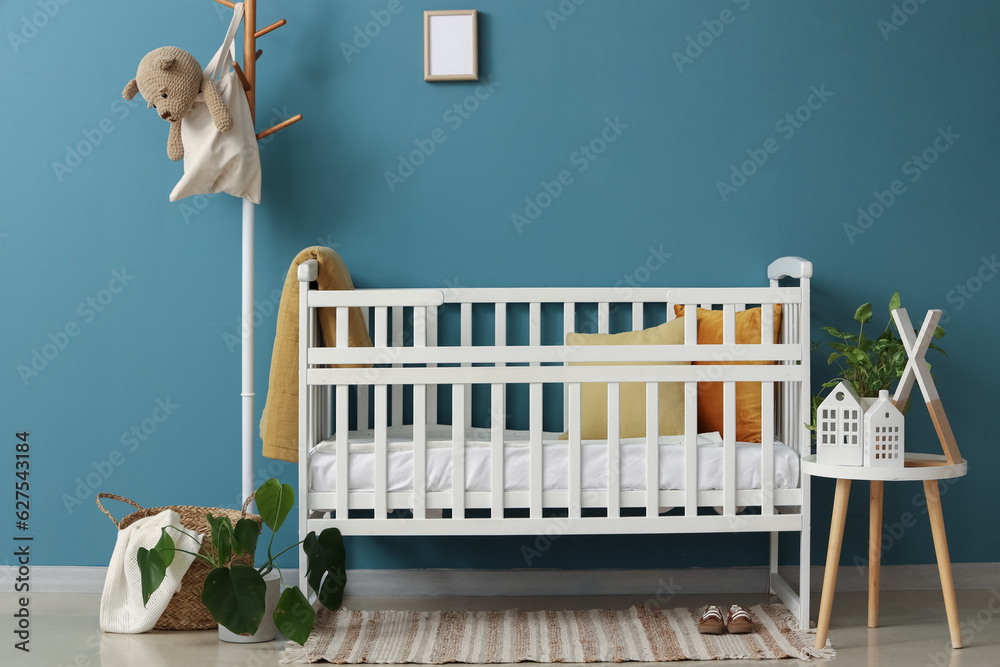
{"x": 247, "y": 336}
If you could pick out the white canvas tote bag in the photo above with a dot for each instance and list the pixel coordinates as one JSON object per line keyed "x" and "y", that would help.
{"x": 221, "y": 161}
{"x": 122, "y": 609}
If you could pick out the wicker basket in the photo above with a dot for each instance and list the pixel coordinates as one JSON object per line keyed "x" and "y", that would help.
{"x": 185, "y": 611}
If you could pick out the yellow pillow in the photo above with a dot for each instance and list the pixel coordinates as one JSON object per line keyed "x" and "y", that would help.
{"x": 632, "y": 395}
{"x": 748, "y": 405}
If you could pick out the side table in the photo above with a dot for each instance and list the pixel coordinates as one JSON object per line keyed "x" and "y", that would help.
{"x": 928, "y": 468}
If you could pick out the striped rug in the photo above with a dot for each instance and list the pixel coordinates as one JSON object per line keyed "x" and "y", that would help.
{"x": 643, "y": 634}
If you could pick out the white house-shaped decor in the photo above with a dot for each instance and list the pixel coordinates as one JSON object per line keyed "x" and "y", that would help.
{"x": 883, "y": 434}
{"x": 840, "y": 428}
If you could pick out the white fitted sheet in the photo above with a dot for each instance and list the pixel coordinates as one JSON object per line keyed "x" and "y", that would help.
{"x": 555, "y": 462}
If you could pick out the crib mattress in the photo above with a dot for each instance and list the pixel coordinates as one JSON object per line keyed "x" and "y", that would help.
{"x": 555, "y": 462}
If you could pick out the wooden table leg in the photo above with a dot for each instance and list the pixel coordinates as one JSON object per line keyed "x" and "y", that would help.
{"x": 943, "y": 560}
{"x": 874, "y": 549}
{"x": 832, "y": 559}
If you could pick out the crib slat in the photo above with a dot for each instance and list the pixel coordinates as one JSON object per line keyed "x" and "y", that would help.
{"x": 362, "y": 389}
{"x": 603, "y": 317}
{"x": 467, "y": 342}
{"x": 729, "y": 448}
{"x": 381, "y": 451}
{"x": 458, "y": 394}
{"x": 535, "y": 412}
{"x": 420, "y": 451}
{"x": 690, "y": 325}
{"x": 419, "y": 422}
{"x": 767, "y": 447}
{"x": 728, "y": 324}
{"x": 343, "y": 456}
{"x": 496, "y": 450}
{"x": 638, "y": 320}
{"x": 574, "y": 481}
{"x": 614, "y": 450}
{"x": 432, "y": 341}
{"x": 652, "y": 449}
{"x": 767, "y": 323}
{"x": 690, "y": 448}
{"x": 497, "y": 414}
{"x": 690, "y": 419}
{"x": 569, "y": 326}
{"x": 397, "y": 389}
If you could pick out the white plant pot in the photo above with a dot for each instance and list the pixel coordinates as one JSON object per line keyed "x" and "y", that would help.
{"x": 266, "y": 632}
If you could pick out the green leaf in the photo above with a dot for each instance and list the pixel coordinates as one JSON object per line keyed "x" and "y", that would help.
{"x": 833, "y": 357}
{"x": 863, "y": 313}
{"x": 151, "y": 571}
{"x": 245, "y": 535}
{"x": 166, "y": 548}
{"x": 938, "y": 332}
{"x": 294, "y": 616}
{"x": 274, "y": 502}
{"x": 837, "y": 333}
{"x": 222, "y": 538}
{"x": 235, "y": 597}
{"x": 932, "y": 346}
{"x": 326, "y": 558}
{"x": 894, "y": 301}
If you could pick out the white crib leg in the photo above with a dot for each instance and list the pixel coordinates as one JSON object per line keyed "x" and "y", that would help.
{"x": 804, "y": 555}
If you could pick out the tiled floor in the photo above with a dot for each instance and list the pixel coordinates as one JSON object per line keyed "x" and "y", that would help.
{"x": 913, "y": 633}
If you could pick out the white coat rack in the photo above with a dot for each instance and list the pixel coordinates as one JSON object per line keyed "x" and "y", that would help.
{"x": 248, "y": 77}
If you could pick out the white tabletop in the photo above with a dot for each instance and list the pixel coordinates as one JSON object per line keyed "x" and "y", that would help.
{"x": 915, "y": 467}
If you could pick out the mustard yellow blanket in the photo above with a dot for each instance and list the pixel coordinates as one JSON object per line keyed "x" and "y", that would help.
{"x": 279, "y": 426}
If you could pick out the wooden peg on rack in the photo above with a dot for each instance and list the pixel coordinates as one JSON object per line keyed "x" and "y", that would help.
{"x": 247, "y": 74}
{"x": 241, "y": 76}
{"x": 273, "y": 26}
{"x": 280, "y": 126}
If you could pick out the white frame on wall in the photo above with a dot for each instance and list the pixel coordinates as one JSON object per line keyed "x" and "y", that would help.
{"x": 451, "y": 45}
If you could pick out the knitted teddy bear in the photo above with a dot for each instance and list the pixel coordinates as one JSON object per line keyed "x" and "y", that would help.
{"x": 170, "y": 79}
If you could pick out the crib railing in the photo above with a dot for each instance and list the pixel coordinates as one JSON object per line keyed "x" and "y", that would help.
{"x": 410, "y": 360}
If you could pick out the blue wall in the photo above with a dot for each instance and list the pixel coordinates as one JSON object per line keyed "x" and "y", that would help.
{"x": 85, "y": 184}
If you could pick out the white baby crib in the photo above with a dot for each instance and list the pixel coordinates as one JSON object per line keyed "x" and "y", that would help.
{"x": 431, "y": 347}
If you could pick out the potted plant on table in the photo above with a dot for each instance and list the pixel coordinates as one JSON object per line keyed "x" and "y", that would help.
{"x": 235, "y": 593}
{"x": 869, "y": 365}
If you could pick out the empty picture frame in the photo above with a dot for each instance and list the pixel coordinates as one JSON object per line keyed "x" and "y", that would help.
{"x": 451, "y": 45}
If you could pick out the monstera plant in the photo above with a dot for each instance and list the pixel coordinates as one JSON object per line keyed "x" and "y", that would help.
{"x": 233, "y": 592}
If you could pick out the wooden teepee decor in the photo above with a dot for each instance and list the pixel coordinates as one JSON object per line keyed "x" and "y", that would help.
{"x": 248, "y": 77}
{"x": 919, "y": 370}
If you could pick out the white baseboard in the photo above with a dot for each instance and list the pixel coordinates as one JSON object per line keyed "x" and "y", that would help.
{"x": 532, "y": 583}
